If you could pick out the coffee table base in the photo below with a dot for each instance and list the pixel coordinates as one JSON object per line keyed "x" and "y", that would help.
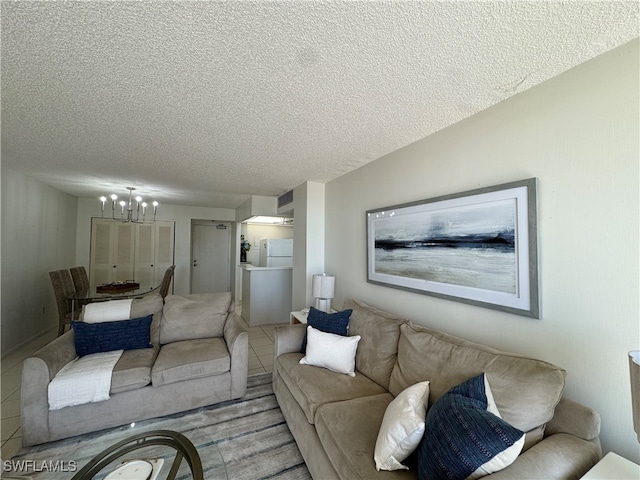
{"x": 183, "y": 446}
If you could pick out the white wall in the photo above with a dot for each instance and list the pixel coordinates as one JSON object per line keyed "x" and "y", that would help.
{"x": 38, "y": 235}
{"x": 182, "y": 215}
{"x": 308, "y": 245}
{"x": 578, "y": 133}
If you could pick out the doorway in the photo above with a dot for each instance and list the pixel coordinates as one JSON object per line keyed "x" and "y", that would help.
{"x": 210, "y": 256}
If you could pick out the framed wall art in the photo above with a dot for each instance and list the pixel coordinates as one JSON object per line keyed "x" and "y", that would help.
{"x": 478, "y": 247}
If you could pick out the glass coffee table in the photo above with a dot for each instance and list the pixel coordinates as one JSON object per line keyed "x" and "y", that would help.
{"x": 146, "y": 449}
{"x": 141, "y": 457}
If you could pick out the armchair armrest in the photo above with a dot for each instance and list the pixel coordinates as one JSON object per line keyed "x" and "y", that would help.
{"x": 288, "y": 339}
{"x": 37, "y": 371}
{"x": 237, "y": 339}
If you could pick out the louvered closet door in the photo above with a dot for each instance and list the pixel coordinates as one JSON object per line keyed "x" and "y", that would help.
{"x": 124, "y": 251}
{"x": 163, "y": 249}
{"x": 130, "y": 251}
{"x": 101, "y": 266}
{"x": 144, "y": 253}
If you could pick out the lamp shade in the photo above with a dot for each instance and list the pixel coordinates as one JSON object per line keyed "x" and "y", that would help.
{"x": 323, "y": 290}
{"x": 634, "y": 371}
{"x": 323, "y": 286}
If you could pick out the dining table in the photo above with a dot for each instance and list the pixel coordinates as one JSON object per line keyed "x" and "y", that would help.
{"x": 116, "y": 291}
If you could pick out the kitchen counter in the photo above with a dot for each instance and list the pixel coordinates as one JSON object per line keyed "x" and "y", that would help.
{"x": 249, "y": 266}
{"x": 266, "y": 294}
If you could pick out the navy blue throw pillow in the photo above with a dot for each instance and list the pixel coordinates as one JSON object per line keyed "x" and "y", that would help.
{"x": 463, "y": 439}
{"x": 337, "y": 323}
{"x": 108, "y": 336}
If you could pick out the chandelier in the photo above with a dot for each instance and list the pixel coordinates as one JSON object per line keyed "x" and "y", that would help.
{"x": 128, "y": 208}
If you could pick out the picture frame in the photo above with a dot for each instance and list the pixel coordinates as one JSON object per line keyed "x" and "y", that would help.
{"x": 478, "y": 247}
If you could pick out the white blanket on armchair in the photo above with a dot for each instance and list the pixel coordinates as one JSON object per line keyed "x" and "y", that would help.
{"x": 83, "y": 380}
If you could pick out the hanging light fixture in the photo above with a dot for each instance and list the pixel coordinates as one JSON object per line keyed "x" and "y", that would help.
{"x": 128, "y": 208}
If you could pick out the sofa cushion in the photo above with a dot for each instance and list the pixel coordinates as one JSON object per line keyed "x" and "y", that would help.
{"x": 465, "y": 436}
{"x": 133, "y": 370}
{"x": 200, "y": 315}
{"x": 112, "y": 335}
{"x": 146, "y": 305}
{"x": 337, "y": 323}
{"x": 348, "y": 432}
{"x": 402, "y": 427}
{"x": 312, "y": 387}
{"x": 327, "y": 350}
{"x": 526, "y": 390}
{"x": 190, "y": 359}
{"x": 378, "y": 348}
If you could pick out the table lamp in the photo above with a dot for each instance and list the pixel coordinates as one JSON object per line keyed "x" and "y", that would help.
{"x": 634, "y": 371}
{"x": 323, "y": 290}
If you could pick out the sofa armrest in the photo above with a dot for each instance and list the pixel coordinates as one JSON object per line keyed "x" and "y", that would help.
{"x": 569, "y": 449}
{"x": 288, "y": 339}
{"x": 237, "y": 339}
{"x": 574, "y": 418}
{"x": 57, "y": 353}
{"x": 560, "y": 456}
{"x": 37, "y": 371}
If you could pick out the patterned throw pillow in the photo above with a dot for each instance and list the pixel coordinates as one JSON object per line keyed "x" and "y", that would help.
{"x": 336, "y": 323}
{"x": 463, "y": 438}
{"x": 108, "y": 336}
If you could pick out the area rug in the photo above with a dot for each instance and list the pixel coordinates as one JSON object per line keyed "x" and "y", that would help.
{"x": 244, "y": 439}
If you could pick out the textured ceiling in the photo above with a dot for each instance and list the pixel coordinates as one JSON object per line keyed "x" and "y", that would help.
{"x": 205, "y": 103}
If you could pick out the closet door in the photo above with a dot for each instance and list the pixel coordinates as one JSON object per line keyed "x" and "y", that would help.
{"x": 101, "y": 266}
{"x": 123, "y": 251}
{"x": 164, "y": 234}
{"x": 144, "y": 253}
{"x": 112, "y": 251}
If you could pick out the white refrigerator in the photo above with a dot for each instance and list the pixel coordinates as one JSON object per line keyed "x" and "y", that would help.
{"x": 276, "y": 252}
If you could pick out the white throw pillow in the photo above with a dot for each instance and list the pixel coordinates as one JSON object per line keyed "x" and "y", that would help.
{"x": 327, "y": 350}
{"x": 402, "y": 427}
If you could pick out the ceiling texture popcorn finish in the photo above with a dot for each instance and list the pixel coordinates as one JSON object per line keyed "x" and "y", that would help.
{"x": 205, "y": 103}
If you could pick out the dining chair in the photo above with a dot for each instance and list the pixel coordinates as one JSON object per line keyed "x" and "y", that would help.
{"x": 80, "y": 277}
{"x": 62, "y": 284}
{"x": 166, "y": 281}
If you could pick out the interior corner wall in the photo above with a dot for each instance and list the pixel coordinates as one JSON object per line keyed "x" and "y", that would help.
{"x": 38, "y": 235}
{"x": 579, "y": 134}
{"x": 309, "y": 238}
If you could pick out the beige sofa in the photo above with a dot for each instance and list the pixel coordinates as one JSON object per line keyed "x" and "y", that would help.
{"x": 335, "y": 418}
{"x": 199, "y": 357}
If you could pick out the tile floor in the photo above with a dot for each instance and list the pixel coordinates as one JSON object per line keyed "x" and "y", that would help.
{"x": 260, "y": 361}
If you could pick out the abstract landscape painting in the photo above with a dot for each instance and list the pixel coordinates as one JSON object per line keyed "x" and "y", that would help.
{"x": 473, "y": 246}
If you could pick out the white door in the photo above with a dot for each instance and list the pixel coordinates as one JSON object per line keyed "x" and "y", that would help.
{"x": 211, "y": 258}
